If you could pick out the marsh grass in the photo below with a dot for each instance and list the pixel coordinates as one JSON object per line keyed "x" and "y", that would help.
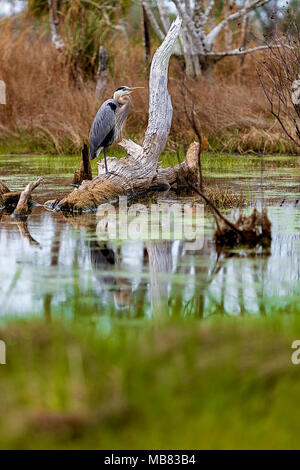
{"x": 176, "y": 385}
{"x": 224, "y": 197}
{"x": 216, "y": 163}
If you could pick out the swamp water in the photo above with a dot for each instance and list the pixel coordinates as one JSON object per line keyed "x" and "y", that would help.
{"x": 53, "y": 265}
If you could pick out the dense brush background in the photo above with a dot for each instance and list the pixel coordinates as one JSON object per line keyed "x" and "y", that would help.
{"x": 51, "y": 95}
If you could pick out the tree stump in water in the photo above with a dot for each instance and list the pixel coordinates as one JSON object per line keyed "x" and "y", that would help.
{"x": 251, "y": 231}
{"x": 85, "y": 170}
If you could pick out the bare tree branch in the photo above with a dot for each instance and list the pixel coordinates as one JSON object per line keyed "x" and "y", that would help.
{"x": 23, "y": 206}
{"x": 208, "y": 10}
{"x": 163, "y": 15}
{"x": 152, "y": 20}
{"x": 196, "y": 43}
{"x": 241, "y": 51}
{"x": 278, "y": 73}
{"x": 189, "y": 25}
{"x": 191, "y": 116}
{"x": 199, "y": 21}
{"x": 234, "y": 16}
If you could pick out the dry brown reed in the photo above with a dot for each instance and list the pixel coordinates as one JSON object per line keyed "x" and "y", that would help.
{"x": 47, "y": 103}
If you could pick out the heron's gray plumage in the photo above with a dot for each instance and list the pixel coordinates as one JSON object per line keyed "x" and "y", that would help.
{"x": 108, "y": 122}
{"x": 103, "y": 127}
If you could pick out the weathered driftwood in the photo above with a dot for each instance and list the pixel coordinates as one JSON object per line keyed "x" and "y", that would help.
{"x": 84, "y": 172}
{"x": 102, "y": 188}
{"x": 23, "y": 206}
{"x": 139, "y": 170}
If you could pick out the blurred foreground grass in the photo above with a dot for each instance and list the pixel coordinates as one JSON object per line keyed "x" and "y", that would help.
{"x": 180, "y": 385}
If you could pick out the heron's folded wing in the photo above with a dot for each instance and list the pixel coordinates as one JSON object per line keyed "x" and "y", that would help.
{"x": 102, "y": 125}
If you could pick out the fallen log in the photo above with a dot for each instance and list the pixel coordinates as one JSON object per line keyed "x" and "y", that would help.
{"x": 127, "y": 180}
{"x": 138, "y": 171}
{"x": 23, "y": 206}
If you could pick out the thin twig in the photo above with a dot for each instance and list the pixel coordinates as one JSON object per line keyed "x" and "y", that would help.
{"x": 190, "y": 115}
{"x": 219, "y": 214}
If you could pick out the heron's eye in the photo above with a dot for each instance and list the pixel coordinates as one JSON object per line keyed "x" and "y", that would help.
{"x": 121, "y": 88}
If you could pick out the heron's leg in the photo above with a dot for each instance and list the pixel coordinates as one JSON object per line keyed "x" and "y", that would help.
{"x": 105, "y": 162}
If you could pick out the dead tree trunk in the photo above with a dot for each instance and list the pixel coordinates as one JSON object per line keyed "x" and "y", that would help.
{"x": 54, "y": 24}
{"x": 200, "y": 33}
{"x": 139, "y": 170}
{"x": 102, "y": 75}
{"x": 146, "y": 36}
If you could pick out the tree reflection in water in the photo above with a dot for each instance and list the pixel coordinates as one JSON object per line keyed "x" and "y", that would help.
{"x": 70, "y": 271}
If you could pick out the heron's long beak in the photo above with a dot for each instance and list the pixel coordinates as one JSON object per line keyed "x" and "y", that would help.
{"x": 131, "y": 89}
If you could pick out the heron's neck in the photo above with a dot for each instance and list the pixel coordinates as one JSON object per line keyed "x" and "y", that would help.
{"x": 124, "y": 101}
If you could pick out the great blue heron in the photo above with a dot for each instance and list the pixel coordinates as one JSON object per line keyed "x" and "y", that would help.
{"x": 109, "y": 120}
